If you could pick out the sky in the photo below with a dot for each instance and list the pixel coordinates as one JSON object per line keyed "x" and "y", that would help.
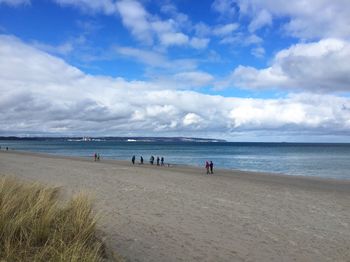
{"x": 240, "y": 70}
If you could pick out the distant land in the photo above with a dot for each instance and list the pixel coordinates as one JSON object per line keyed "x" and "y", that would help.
{"x": 113, "y": 138}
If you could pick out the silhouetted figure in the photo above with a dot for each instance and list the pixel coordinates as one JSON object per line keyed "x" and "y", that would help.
{"x": 162, "y": 161}
{"x": 158, "y": 160}
{"x": 95, "y": 156}
{"x": 133, "y": 160}
{"x": 207, "y": 167}
{"x": 98, "y": 157}
{"x": 141, "y": 160}
{"x": 7, "y": 148}
{"x": 211, "y": 165}
{"x": 151, "y": 160}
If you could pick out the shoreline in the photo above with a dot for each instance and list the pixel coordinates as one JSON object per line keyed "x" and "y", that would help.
{"x": 255, "y": 175}
{"x": 178, "y": 213}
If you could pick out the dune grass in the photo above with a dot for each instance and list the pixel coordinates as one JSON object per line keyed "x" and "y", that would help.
{"x": 35, "y": 226}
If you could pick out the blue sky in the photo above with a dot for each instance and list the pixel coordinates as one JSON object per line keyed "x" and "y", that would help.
{"x": 249, "y": 70}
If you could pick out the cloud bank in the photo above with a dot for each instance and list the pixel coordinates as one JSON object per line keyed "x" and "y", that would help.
{"x": 43, "y": 94}
{"x": 321, "y": 67}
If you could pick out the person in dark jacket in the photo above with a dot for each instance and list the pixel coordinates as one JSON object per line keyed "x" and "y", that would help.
{"x": 211, "y": 165}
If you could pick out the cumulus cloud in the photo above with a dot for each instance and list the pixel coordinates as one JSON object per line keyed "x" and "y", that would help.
{"x": 147, "y": 28}
{"x": 43, "y": 94}
{"x": 318, "y": 67}
{"x": 305, "y": 19}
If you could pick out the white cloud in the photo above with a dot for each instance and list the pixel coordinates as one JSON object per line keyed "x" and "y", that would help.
{"x": 15, "y": 2}
{"x": 242, "y": 39}
{"x": 192, "y": 119}
{"x": 156, "y": 59}
{"x": 305, "y": 19}
{"x": 194, "y": 79}
{"x": 136, "y": 19}
{"x": 258, "y": 52}
{"x": 263, "y": 18}
{"x": 227, "y": 29}
{"x": 199, "y": 43}
{"x": 226, "y": 8}
{"x": 43, "y": 94}
{"x": 318, "y": 67}
{"x": 147, "y": 28}
{"x": 105, "y": 6}
{"x": 171, "y": 38}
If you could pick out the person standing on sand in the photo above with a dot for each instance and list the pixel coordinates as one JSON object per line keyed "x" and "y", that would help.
{"x": 95, "y": 156}
{"x": 98, "y": 157}
{"x": 162, "y": 161}
{"x": 133, "y": 160}
{"x": 141, "y": 160}
{"x": 211, "y": 165}
{"x": 158, "y": 160}
{"x": 207, "y": 167}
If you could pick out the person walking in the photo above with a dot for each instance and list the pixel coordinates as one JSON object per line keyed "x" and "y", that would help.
{"x": 207, "y": 167}
{"x": 211, "y": 165}
{"x": 133, "y": 160}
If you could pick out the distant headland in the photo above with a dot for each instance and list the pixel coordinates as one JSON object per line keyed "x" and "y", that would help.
{"x": 116, "y": 138}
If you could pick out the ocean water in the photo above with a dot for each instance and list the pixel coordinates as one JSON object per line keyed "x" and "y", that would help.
{"x": 318, "y": 160}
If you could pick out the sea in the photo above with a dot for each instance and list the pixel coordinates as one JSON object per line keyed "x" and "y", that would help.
{"x": 297, "y": 159}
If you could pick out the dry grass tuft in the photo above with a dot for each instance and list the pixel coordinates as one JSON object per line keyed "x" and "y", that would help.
{"x": 34, "y": 226}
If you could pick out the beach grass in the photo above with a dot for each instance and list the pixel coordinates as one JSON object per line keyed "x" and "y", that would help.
{"x": 36, "y": 226}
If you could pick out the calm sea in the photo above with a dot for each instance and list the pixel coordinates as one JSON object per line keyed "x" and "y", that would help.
{"x": 319, "y": 160}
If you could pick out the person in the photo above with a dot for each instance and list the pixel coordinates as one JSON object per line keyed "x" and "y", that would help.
{"x": 95, "y": 156}
{"x": 7, "y": 148}
{"x": 211, "y": 165}
{"x": 141, "y": 160}
{"x": 151, "y": 160}
{"x": 158, "y": 160}
{"x": 133, "y": 160}
{"x": 162, "y": 161}
{"x": 207, "y": 167}
{"x": 98, "y": 157}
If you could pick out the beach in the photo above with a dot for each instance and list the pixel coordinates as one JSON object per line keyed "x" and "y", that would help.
{"x": 178, "y": 213}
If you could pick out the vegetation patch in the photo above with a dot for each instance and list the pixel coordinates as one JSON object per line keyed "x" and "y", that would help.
{"x": 36, "y": 226}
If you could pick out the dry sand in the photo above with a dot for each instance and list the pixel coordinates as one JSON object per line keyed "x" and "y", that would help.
{"x": 155, "y": 213}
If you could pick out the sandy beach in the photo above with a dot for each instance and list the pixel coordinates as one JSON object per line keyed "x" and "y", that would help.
{"x": 151, "y": 213}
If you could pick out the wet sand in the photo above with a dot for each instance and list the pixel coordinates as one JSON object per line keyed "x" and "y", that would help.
{"x": 179, "y": 213}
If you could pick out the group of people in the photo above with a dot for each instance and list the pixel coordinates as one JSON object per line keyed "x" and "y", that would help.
{"x": 209, "y": 167}
{"x": 160, "y": 161}
{"x": 97, "y": 156}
